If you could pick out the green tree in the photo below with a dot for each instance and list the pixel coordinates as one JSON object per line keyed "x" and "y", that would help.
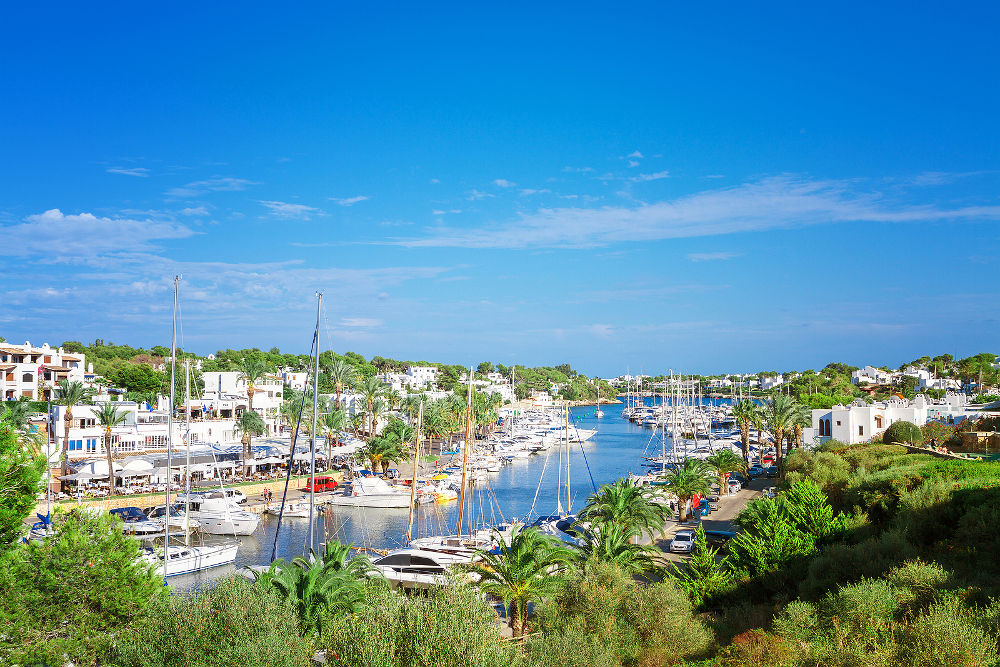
{"x": 139, "y": 378}
{"x": 692, "y": 477}
{"x": 746, "y": 413}
{"x": 779, "y": 414}
{"x": 622, "y": 503}
{"x": 66, "y": 598}
{"x": 319, "y": 585}
{"x": 332, "y": 423}
{"x": 108, "y": 416}
{"x": 20, "y": 481}
{"x": 342, "y": 375}
{"x": 525, "y": 569}
{"x": 252, "y": 370}
{"x": 725, "y": 462}
{"x": 69, "y": 394}
{"x": 249, "y": 424}
{"x": 704, "y": 574}
{"x": 612, "y": 543}
{"x": 904, "y": 433}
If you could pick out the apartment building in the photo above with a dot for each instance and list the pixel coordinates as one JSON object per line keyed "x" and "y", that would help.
{"x": 34, "y": 372}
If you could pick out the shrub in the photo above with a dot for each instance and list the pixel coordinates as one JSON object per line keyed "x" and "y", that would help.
{"x": 798, "y": 621}
{"x": 233, "y": 623}
{"x": 868, "y": 605}
{"x": 918, "y": 582}
{"x": 572, "y": 646}
{"x": 844, "y": 563}
{"x": 756, "y": 648}
{"x": 636, "y": 620}
{"x": 903, "y": 432}
{"x": 451, "y": 627}
{"x": 946, "y": 636}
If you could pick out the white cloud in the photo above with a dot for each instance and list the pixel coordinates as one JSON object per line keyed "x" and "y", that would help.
{"x": 361, "y": 322}
{"x": 771, "y": 203}
{"x": 349, "y": 201}
{"x": 577, "y": 170}
{"x": 286, "y": 210}
{"x": 633, "y": 163}
{"x": 531, "y": 191}
{"x": 476, "y": 195}
{"x": 195, "y": 210}
{"x": 198, "y": 188}
{"x": 435, "y": 181}
{"x": 711, "y": 256}
{"x": 651, "y": 177}
{"x": 141, "y": 172}
{"x": 439, "y": 211}
{"x": 634, "y": 154}
{"x": 84, "y": 236}
{"x": 504, "y": 183}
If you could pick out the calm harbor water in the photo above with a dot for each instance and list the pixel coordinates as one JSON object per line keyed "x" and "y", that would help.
{"x": 523, "y": 490}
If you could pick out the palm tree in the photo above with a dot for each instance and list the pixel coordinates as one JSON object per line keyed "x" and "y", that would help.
{"x": 801, "y": 417}
{"x": 778, "y": 415}
{"x": 15, "y": 416}
{"x": 69, "y": 394}
{"x": 612, "y": 543}
{"x": 370, "y": 388}
{"x": 725, "y": 462}
{"x": 622, "y": 503}
{"x": 690, "y": 478}
{"x": 334, "y": 421}
{"x": 252, "y": 371}
{"x": 342, "y": 374}
{"x": 378, "y": 409}
{"x": 249, "y": 424}
{"x": 745, "y": 413}
{"x": 109, "y": 416}
{"x": 320, "y": 585}
{"x": 526, "y": 569}
{"x": 435, "y": 423}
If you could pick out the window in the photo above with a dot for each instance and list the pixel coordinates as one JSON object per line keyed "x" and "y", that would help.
{"x": 861, "y": 430}
{"x": 838, "y": 422}
{"x": 878, "y": 421}
{"x": 91, "y": 445}
{"x": 27, "y": 377}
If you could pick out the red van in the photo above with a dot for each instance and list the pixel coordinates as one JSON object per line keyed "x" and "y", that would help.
{"x": 324, "y": 484}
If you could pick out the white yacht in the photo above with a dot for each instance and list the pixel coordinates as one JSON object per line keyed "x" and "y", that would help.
{"x": 369, "y": 492}
{"x": 186, "y": 559}
{"x": 218, "y": 515}
{"x": 297, "y": 509}
{"x": 416, "y": 568}
{"x": 135, "y": 521}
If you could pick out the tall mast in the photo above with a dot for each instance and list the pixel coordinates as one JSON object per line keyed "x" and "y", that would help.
{"x": 312, "y": 434}
{"x": 187, "y": 449}
{"x": 465, "y": 452}
{"x": 569, "y": 499}
{"x": 170, "y": 431}
{"x": 413, "y": 479}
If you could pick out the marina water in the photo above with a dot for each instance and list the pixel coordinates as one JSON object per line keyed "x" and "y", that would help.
{"x": 615, "y": 451}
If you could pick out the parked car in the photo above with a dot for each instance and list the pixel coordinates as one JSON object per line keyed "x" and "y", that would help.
{"x": 738, "y": 477}
{"x": 683, "y": 542}
{"x": 324, "y": 483}
{"x": 771, "y": 471}
{"x": 719, "y": 537}
{"x": 734, "y": 486}
{"x": 767, "y": 460}
{"x": 704, "y": 507}
{"x": 769, "y": 492}
{"x": 755, "y": 471}
{"x": 713, "y": 502}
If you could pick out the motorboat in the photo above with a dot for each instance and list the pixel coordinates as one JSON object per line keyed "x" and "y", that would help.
{"x": 218, "y": 515}
{"x": 186, "y": 559}
{"x": 177, "y": 519}
{"x": 369, "y": 492}
{"x": 416, "y": 568}
{"x": 135, "y": 521}
{"x": 294, "y": 508}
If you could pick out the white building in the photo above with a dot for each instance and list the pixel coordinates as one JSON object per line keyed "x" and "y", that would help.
{"x": 33, "y": 372}
{"x": 226, "y": 396}
{"x": 295, "y": 379}
{"x": 872, "y": 375}
{"x": 720, "y": 383}
{"x": 506, "y": 391}
{"x": 771, "y": 381}
{"x": 422, "y": 375}
{"x": 860, "y": 422}
{"x": 497, "y": 378}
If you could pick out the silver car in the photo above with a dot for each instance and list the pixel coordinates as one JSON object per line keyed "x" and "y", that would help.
{"x": 683, "y": 542}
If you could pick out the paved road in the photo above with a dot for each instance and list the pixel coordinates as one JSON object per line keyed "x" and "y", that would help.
{"x": 720, "y": 519}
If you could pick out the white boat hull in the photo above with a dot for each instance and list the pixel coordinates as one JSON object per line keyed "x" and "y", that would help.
{"x": 388, "y": 500}
{"x": 185, "y": 560}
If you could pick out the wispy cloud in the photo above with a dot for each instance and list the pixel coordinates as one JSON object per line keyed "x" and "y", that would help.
{"x": 141, "y": 172}
{"x": 577, "y": 170}
{"x": 82, "y": 237}
{"x": 532, "y": 191}
{"x": 650, "y": 177}
{"x": 349, "y": 201}
{"x": 194, "y": 210}
{"x": 771, "y": 203}
{"x": 285, "y": 210}
{"x": 711, "y": 256}
{"x": 475, "y": 195}
{"x": 440, "y": 211}
{"x": 504, "y": 183}
{"x": 222, "y": 184}
{"x": 634, "y": 155}
{"x": 360, "y": 322}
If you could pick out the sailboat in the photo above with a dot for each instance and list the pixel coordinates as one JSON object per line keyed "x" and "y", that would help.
{"x": 171, "y": 559}
{"x": 598, "y": 413}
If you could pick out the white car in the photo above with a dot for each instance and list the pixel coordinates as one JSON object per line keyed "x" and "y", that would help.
{"x": 734, "y": 486}
{"x": 683, "y": 542}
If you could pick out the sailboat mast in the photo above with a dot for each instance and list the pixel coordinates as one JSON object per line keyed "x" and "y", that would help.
{"x": 187, "y": 449}
{"x": 413, "y": 479}
{"x": 312, "y": 434}
{"x": 569, "y": 498}
{"x": 170, "y": 431}
{"x": 465, "y": 452}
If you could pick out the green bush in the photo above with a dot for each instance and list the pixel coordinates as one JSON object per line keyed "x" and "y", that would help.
{"x": 451, "y": 627}
{"x": 919, "y": 583}
{"x": 635, "y": 620}
{"x": 903, "y": 432}
{"x": 869, "y": 605}
{"x": 232, "y": 623}
{"x": 844, "y": 563}
{"x": 946, "y": 636}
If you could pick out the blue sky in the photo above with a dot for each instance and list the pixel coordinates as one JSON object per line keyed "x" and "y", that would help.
{"x": 654, "y": 185}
